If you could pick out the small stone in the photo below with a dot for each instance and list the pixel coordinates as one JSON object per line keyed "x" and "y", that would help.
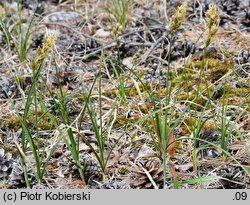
{"x": 102, "y": 34}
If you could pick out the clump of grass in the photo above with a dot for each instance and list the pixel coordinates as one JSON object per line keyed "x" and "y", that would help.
{"x": 101, "y": 133}
{"x": 118, "y": 17}
{"x": 21, "y": 44}
{"x": 212, "y": 21}
{"x": 23, "y": 37}
{"x": 67, "y": 133}
{"x": 162, "y": 118}
{"x": 4, "y": 26}
{"x": 118, "y": 13}
{"x": 32, "y": 99}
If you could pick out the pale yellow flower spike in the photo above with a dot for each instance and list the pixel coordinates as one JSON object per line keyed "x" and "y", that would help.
{"x": 212, "y": 22}
{"x": 48, "y": 43}
{"x": 212, "y": 15}
{"x": 178, "y": 17}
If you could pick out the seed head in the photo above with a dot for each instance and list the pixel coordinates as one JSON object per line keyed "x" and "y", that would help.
{"x": 42, "y": 52}
{"x": 178, "y": 17}
{"x": 212, "y": 16}
{"x": 47, "y": 44}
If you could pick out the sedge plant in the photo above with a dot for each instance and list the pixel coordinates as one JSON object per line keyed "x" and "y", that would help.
{"x": 23, "y": 36}
{"x": 162, "y": 118}
{"x": 101, "y": 129}
{"x": 212, "y": 17}
{"x": 20, "y": 44}
{"x": 68, "y": 134}
{"x": 118, "y": 17}
{"x": 177, "y": 20}
{"x": 32, "y": 100}
{"x": 4, "y": 27}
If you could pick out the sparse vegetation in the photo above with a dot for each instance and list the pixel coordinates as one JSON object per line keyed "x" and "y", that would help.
{"x": 103, "y": 90}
